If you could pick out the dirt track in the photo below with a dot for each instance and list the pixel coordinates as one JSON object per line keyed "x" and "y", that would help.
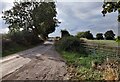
{"x": 48, "y": 66}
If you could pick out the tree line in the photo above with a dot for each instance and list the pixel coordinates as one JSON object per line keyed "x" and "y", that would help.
{"x": 108, "y": 35}
{"x": 38, "y": 19}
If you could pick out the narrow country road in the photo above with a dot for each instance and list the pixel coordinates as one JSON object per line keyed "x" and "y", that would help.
{"x": 39, "y": 63}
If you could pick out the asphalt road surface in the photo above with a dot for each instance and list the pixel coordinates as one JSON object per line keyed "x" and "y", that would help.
{"x": 39, "y": 63}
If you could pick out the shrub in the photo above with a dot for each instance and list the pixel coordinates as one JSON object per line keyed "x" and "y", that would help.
{"x": 118, "y": 39}
{"x": 31, "y": 38}
{"x": 18, "y": 38}
{"x": 64, "y": 33}
{"x": 80, "y": 35}
{"x": 71, "y": 44}
{"x": 99, "y": 36}
{"x": 6, "y": 44}
{"x": 86, "y": 34}
{"x": 24, "y": 38}
{"x": 9, "y": 47}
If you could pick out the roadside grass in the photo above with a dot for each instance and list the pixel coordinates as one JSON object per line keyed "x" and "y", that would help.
{"x": 80, "y": 66}
{"x": 14, "y": 48}
{"x": 83, "y": 65}
{"x": 111, "y": 43}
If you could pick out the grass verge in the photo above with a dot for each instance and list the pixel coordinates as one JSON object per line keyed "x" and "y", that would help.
{"x": 82, "y": 66}
{"x": 14, "y": 48}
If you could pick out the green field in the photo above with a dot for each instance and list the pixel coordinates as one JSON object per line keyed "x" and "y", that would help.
{"x": 111, "y": 43}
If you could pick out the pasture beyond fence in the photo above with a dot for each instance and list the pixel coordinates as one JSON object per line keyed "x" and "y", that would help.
{"x": 107, "y": 50}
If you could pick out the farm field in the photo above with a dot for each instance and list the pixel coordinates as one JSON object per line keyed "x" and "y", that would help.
{"x": 111, "y": 43}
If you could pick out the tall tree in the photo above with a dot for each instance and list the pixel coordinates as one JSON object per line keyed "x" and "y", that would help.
{"x": 39, "y": 17}
{"x": 109, "y": 7}
{"x": 109, "y": 35}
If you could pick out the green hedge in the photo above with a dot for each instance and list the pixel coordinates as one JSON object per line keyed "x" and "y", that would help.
{"x": 71, "y": 44}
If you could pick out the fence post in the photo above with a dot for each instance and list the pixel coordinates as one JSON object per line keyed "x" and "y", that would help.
{"x": 118, "y": 52}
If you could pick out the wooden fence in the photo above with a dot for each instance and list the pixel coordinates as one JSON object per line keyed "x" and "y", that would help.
{"x": 103, "y": 48}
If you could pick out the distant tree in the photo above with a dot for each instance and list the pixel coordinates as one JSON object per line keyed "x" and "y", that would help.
{"x": 80, "y": 35}
{"x": 99, "y": 36}
{"x": 64, "y": 33}
{"x": 118, "y": 39}
{"x": 109, "y": 7}
{"x": 109, "y": 35}
{"x": 88, "y": 35}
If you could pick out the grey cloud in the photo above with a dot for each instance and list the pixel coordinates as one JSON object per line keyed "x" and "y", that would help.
{"x": 84, "y": 16}
{"x": 79, "y": 16}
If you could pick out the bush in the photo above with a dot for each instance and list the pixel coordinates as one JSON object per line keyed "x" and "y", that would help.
{"x": 19, "y": 41}
{"x": 64, "y": 33}
{"x": 6, "y": 44}
{"x": 80, "y": 35}
{"x": 71, "y": 44}
{"x": 31, "y": 38}
{"x": 99, "y": 36}
{"x": 86, "y": 34}
{"x": 9, "y": 47}
{"x": 24, "y": 38}
{"x": 118, "y": 39}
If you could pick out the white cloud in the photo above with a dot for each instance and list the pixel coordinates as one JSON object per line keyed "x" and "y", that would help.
{"x": 4, "y": 5}
{"x": 4, "y": 30}
{"x": 7, "y": 6}
{"x": 86, "y": 11}
{"x": 1, "y": 15}
{"x": 7, "y": 1}
{"x": 60, "y": 20}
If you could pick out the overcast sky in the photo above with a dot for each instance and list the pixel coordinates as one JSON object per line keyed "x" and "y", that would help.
{"x": 76, "y": 17}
